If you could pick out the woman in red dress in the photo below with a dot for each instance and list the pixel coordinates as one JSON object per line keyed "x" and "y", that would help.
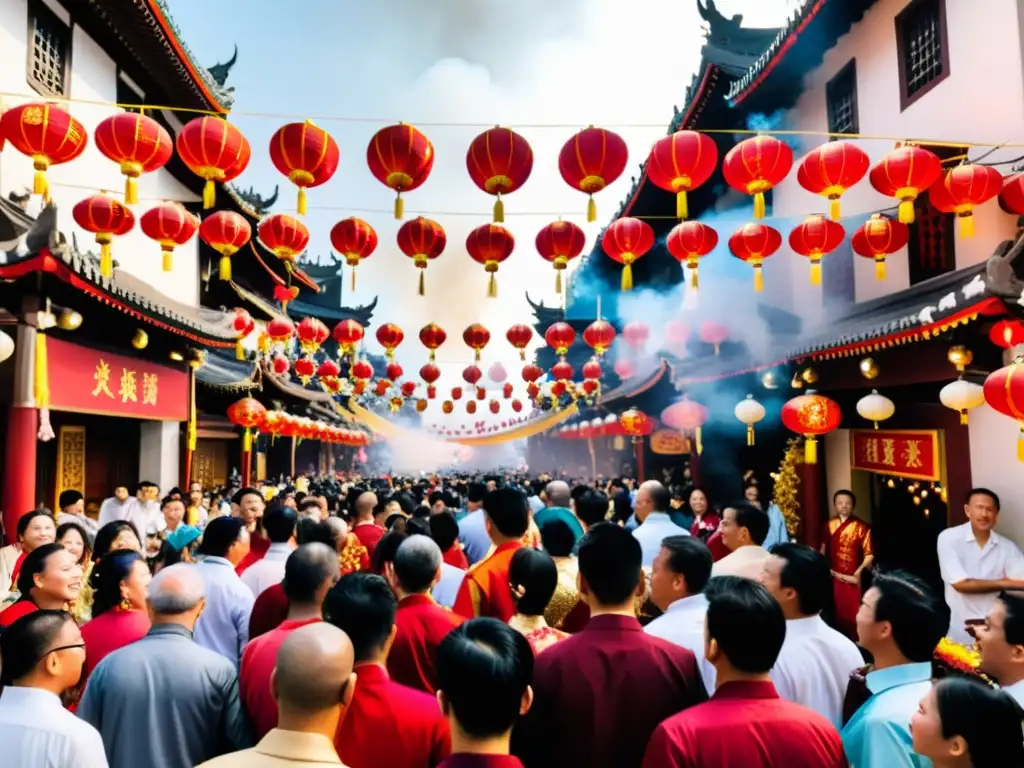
{"x": 533, "y": 578}
{"x": 50, "y": 578}
{"x": 705, "y": 520}
{"x": 119, "y": 583}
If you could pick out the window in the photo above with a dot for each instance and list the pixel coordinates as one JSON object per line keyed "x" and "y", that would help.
{"x": 129, "y": 93}
{"x": 932, "y": 248}
{"x": 922, "y": 47}
{"x": 841, "y": 100}
{"x": 49, "y": 51}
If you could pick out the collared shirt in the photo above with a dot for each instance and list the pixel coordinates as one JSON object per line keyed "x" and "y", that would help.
{"x": 683, "y": 624}
{"x": 422, "y": 625}
{"x": 224, "y": 625}
{"x": 268, "y": 571}
{"x": 745, "y": 562}
{"x": 657, "y": 527}
{"x": 879, "y": 733}
{"x": 111, "y": 509}
{"x": 777, "y": 531}
{"x": 279, "y": 748}
{"x": 814, "y": 666}
{"x": 447, "y": 589}
{"x": 36, "y": 731}
{"x": 961, "y": 558}
{"x": 1016, "y": 690}
{"x": 165, "y": 702}
{"x": 473, "y": 535}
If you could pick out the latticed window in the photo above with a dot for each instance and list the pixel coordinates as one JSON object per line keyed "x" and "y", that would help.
{"x": 49, "y": 55}
{"x": 841, "y": 101}
{"x": 923, "y": 47}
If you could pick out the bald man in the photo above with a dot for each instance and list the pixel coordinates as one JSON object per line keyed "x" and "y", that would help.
{"x": 365, "y": 527}
{"x": 558, "y": 506}
{"x": 651, "y": 508}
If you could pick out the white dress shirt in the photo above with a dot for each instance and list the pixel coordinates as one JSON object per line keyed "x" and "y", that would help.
{"x": 746, "y": 562}
{"x": 447, "y": 589}
{"x": 1016, "y": 690}
{"x": 961, "y": 558}
{"x": 683, "y": 624}
{"x": 37, "y": 731}
{"x": 814, "y": 666}
{"x": 657, "y": 527}
{"x": 268, "y": 571}
{"x": 111, "y": 509}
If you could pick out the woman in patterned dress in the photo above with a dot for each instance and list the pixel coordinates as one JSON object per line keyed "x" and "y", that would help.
{"x": 533, "y": 578}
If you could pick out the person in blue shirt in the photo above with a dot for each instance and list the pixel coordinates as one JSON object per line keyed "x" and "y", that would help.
{"x": 652, "y": 512}
{"x": 777, "y": 531}
{"x": 558, "y": 506}
{"x": 472, "y": 530}
{"x": 900, "y": 622}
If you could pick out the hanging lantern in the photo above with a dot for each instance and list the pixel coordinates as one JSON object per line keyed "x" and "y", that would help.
{"x": 280, "y": 330}
{"x": 519, "y": 336}
{"x": 471, "y": 406}
{"x": 623, "y": 369}
{"x": 497, "y": 373}
{"x": 755, "y": 165}
{"x": 284, "y": 294}
{"x": 106, "y": 218}
{"x": 533, "y": 389}
{"x": 507, "y": 389}
{"x": 681, "y": 162}
{"x": 590, "y": 161}
{"x": 677, "y": 333}
{"x": 140, "y": 340}
{"x": 138, "y": 143}
{"x": 306, "y": 154}
{"x": 517, "y": 406}
{"x": 1011, "y": 198}
{"x": 904, "y": 174}
{"x": 962, "y": 396}
{"x": 389, "y": 336}
{"x": 348, "y": 333}
{"x": 47, "y": 134}
{"x": 285, "y": 236}
{"x": 329, "y": 374}
{"x": 875, "y": 407}
{"x": 960, "y": 357}
{"x": 592, "y": 369}
{"x": 447, "y": 407}
{"x": 249, "y": 414}
{"x": 456, "y": 393}
{"x": 430, "y": 373}
{"x": 383, "y": 385}
{"x": 1004, "y": 392}
{"x": 421, "y": 240}
{"x": 689, "y": 241}
{"x": 814, "y": 238}
{"x": 962, "y": 189}
{"x": 476, "y": 338}
{"x": 1007, "y": 334}
{"x": 421, "y": 405}
{"x": 831, "y": 169}
{"x": 361, "y": 371}
{"x": 879, "y": 237}
{"x": 635, "y": 423}
{"x": 214, "y": 150}
{"x": 753, "y": 243}
{"x": 499, "y": 162}
{"x": 562, "y": 371}
{"x": 400, "y": 157}
{"x": 305, "y": 369}
{"x": 490, "y": 244}
{"x": 636, "y": 334}
{"x": 531, "y": 373}
{"x": 311, "y": 334}
{"x": 355, "y": 240}
{"x": 171, "y": 226}
{"x": 750, "y": 412}
{"x": 714, "y": 334}
{"x": 599, "y": 336}
{"x": 225, "y": 232}
{"x": 559, "y": 243}
{"x": 811, "y": 415}
{"x": 625, "y": 240}
{"x": 494, "y": 405}
{"x": 868, "y": 368}
{"x": 408, "y": 388}
{"x": 471, "y": 375}
{"x": 242, "y": 325}
{"x": 432, "y": 336}
{"x": 688, "y": 417}
{"x": 560, "y": 336}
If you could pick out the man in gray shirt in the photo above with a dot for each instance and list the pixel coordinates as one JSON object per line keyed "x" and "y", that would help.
{"x": 164, "y": 701}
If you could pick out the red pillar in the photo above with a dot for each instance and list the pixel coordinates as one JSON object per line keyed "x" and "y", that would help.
{"x": 19, "y": 493}
{"x": 638, "y": 453}
{"x": 812, "y": 482}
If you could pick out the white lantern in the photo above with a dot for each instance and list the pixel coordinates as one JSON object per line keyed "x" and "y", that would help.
{"x": 750, "y": 412}
{"x": 6, "y": 346}
{"x": 875, "y": 407}
{"x": 962, "y": 396}
{"x": 611, "y": 418}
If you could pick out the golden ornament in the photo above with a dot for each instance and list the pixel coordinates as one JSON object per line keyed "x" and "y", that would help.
{"x": 141, "y": 339}
{"x": 869, "y": 368}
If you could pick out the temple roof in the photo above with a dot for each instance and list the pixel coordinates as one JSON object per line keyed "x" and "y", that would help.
{"x": 219, "y": 72}
{"x": 221, "y": 370}
{"x": 299, "y": 309}
{"x": 637, "y": 384}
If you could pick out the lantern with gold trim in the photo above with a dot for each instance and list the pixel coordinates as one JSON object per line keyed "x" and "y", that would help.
{"x": 636, "y": 335}
{"x": 811, "y": 415}
{"x": 688, "y": 417}
{"x": 560, "y": 242}
{"x": 311, "y": 333}
{"x": 756, "y": 165}
{"x": 354, "y": 239}
{"x": 753, "y": 243}
{"x": 962, "y": 189}
{"x": 1004, "y": 392}
{"x": 214, "y": 150}
{"x": 1007, "y": 334}
{"x": 519, "y": 336}
{"x": 138, "y": 143}
{"x": 106, "y": 218}
{"x": 681, "y": 162}
{"x": 47, "y": 134}
{"x": 635, "y": 423}
{"x": 499, "y": 162}
{"x": 490, "y": 244}
{"x": 421, "y": 240}
{"x": 816, "y": 237}
{"x": 962, "y": 396}
{"x": 400, "y": 157}
{"x": 305, "y": 369}
{"x": 249, "y": 414}
{"x": 879, "y": 237}
{"x": 242, "y": 325}
{"x": 714, "y": 334}
{"x": 831, "y": 169}
{"x": 476, "y": 338}
{"x": 904, "y": 174}
{"x": 750, "y": 412}
{"x": 560, "y": 336}
{"x": 599, "y": 336}
{"x": 390, "y": 336}
{"x": 875, "y": 407}
{"x": 348, "y": 333}
{"x": 432, "y": 336}
{"x": 688, "y": 242}
{"x": 171, "y": 226}
{"x": 285, "y": 236}
{"x": 306, "y": 154}
{"x": 591, "y": 160}
{"x": 226, "y": 232}
{"x": 625, "y": 240}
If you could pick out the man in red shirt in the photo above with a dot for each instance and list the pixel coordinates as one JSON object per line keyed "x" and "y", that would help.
{"x": 309, "y": 572}
{"x": 386, "y": 724}
{"x": 365, "y": 527}
{"x": 745, "y": 722}
{"x": 250, "y": 508}
{"x": 422, "y": 623}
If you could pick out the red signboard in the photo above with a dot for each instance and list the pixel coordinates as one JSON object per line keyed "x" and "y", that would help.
{"x": 86, "y": 380}
{"x": 913, "y": 454}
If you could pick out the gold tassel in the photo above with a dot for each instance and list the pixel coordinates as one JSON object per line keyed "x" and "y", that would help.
{"x": 759, "y": 205}
{"x": 906, "y": 212}
{"x": 168, "y": 260}
{"x": 353, "y": 279}
{"x": 558, "y": 281}
{"x": 499, "y": 211}
{"x": 815, "y": 272}
{"x": 41, "y": 384}
{"x": 492, "y": 287}
{"x": 750, "y": 434}
{"x": 758, "y": 278}
{"x": 1020, "y": 446}
{"x": 694, "y": 281}
{"x": 700, "y": 444}
{"x": 225, "y": 268}
{"x": 682, "y": 210}
{"x": 40, "y": 186}
{"x": 810, "y": 450}
{"x": 833, "y": 208}
{"x": 966, "y": 224}
{"x": 246, "y": 441}
{"x": 876, "y": 425}
{"x": 239, "y": 350}
{"x": 880, "y": 268}
{"x": 302, "y": 201}
{"x": 718, "y": 349}
{"x": 963, "y": 417}
{"x": 209, "y": 194}
{"x": 106, "y": 260}
{"x": 627, "y": 278}
{"x": 423, "y": 282}
{"x": 193, "y": 433}
{"x": 131, "y": 191}
{"x": 399, "y": 206}
{"x": 591, "y": 210}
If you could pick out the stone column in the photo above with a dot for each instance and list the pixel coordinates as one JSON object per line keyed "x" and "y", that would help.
{"x": 160, "y": 453}
{"x": 19, "y": 477}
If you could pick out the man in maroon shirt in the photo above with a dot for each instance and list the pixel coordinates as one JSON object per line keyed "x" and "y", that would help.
{"x": 250, "y": 509}
{"x": 309, "y": 572}
{"x": 599, "y": 695}
{"x": 365, "y": 527}
{"x": 386, "y": 724}
{"x": 745, "y": 723}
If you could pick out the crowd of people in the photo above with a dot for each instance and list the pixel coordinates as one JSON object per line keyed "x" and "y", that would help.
{"x": 497, "y": 621}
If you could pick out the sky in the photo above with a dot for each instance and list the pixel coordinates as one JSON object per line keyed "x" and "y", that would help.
{"x": 546, "y": 68}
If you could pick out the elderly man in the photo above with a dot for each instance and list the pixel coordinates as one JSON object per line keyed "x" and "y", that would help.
{"x": 558, "y": 506}
{"x": 652, "y": 505}
{"x": 365, "y": 527}
{"x": 164, "y": 700}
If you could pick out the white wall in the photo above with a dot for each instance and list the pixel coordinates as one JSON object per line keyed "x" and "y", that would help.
{"x": 159, "y": 453}
{"x": 994, "y": 465}
{"x": 93, "y": 78}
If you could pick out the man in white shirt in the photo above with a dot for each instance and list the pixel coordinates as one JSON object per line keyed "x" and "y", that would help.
{"x": 43, "y": 654}
{"x": 279, "y": 524}
{"x": 814, "y": 666}
{"x": 146, "y": 514}
{"x": 1001, "y": 643}
{"x": 678, "y": 577}
{"x": 744, "y": 528}
{"x": 117, "y": 507}
{"x": 977, "y": 563}
{"x": 652, "y": 505}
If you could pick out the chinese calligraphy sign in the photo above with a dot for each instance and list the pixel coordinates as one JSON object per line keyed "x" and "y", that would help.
{"x": 911, "y": 454}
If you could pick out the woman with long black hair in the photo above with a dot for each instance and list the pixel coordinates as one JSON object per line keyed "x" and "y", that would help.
{"x": 50, "y": 579}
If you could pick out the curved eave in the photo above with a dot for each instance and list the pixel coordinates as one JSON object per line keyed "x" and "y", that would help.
{"x": 636, "y": 385}
{"x": 286, "y": 387}
{"x": 222, "y": 372}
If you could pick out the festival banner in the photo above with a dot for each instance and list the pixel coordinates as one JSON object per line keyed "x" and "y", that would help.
{"x": 665, "y": 442}
{"x": 85, "y": 380}
{"x": 912, "y": 454}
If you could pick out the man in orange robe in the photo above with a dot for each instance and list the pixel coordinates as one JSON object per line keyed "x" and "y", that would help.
{"x": 849, "y": 552}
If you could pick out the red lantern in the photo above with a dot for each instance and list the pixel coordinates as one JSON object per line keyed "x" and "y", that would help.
{"x": 138, "y": 143}
{"x": 623, "y": 369}
{"x": 383, "y": 385}
{"x": 1011, "y": 198}
{"x": 481, "y": 393}
{"x": 811, "y": 415}
{"x": 348, "y": 334}
{"x": 635, "y": 423}
{"x": 471, "y": 374}
{"x": 421, "y": 405}
{"x": 106, "y": 218}
{"x": 389, "y": 336}
{"x": 400, "y": 157}
{"x": 432, "y": 336}
{"x": 47, "y": 134}
{"x": 408, "y": 388}
{"x": 471, "y": 406}
{"x": 681, "y": 162}
{"x": 599, "y": 336}
{"x": 713, "y": 333}
{"x": 687, "y": 416}
{"x": 495, "y": 406}
{"x": 225, "y": 232}
{"x": 814, "y": 238}
{"x": 285, "y": 236}
{"x": 456, "y": 393}
{"x": 590, "y": 161}
{"x": 519, "y": 336}
{"x": 904, "y": 174}
{"x": 636, "y": 334}
{"x": 284, "y": 294}
{"x": 560, "y": 336}
{"x": 1004, "y": 392}
{"x": 1007, "y": 334}
{"x": 311, "y": 334}
{"x": 215, "y": 150}
{"x": 361, "y": 370}
{"x": 507, "y": 390}
{"x": 306, "y": 154}
{"x": 688, "y": 242}
{"x": 249, "y": 414}
{"x": 490, "y": 244}
{"x": 559, "y": 243}
{"x": 329, "y": 374}
{"x": 592, "y": 369}
{"x": 279, "y": 364}
{"x": 499, "y": 162}
{"x": 421, "y": 240}
{"x": 625, "y": 240}
{"x": 280, "y": 330}
{"x": 517, "y": 406}
{"x": 476, "y": 338}
{"x": 755, "y": 165}
{"x": 531, "y": 373}
{"x": 753, "y": 243}
{"x": 355, "y": 240}
{"x": 305, "y": 369}
{"x": 170, "y": 225}
{"x": 562, "y": 371}
{"x": 831, "y": 169}
{"x": 879, "y": 237}
{"x": 962, "y": 189}
{"x": 242, "y": 325}
{"x": 533, "y": 389}
{"x": 447, "y": 406}
{"x": 677, "y": 334}
{"x": 430, "y": 373}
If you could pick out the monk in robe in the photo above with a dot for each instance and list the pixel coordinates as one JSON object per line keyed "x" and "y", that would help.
{"x": 484, "y": 591}
{"x": 848, "y": 549}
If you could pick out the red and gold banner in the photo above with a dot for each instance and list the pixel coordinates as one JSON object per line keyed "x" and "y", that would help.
{"x": 86, "y": 380}
{"x": 665, "y": 442}
{"x": 912, "y": 454}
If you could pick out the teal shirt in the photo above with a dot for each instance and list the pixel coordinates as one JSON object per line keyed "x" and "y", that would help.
{"x": 548, "y": 514}
{"x": 878, "y": 735}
